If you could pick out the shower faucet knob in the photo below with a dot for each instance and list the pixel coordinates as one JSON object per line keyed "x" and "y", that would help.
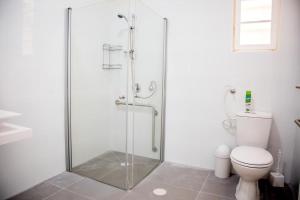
{"x": 137, "y": 87}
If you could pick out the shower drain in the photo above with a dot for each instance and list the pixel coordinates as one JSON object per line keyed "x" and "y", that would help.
{"x": 160, "y": 192}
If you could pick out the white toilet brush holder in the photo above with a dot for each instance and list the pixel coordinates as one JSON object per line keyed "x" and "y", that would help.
{"x": 277, "y": 178}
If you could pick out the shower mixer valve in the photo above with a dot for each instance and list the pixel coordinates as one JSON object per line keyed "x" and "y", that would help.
{"x": 151, "y": 88}
{"x": 137, "y": 88}
{"x": 131, "y": 53}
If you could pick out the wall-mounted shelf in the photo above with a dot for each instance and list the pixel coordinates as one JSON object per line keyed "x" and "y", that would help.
{"x": 112, "y": 56}
{"x": 11, "y": 132}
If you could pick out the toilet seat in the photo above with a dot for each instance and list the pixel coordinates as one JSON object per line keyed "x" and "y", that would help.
{"x": 252, "y": 157}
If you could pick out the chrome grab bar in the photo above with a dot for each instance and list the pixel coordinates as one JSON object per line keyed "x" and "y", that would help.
{"x": 154, "y": 114}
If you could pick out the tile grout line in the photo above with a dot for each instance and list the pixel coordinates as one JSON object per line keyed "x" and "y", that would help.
{"x": 174, "y": 186}
{"x": 187, "y": 166}
{"x": 180, "y": 187}
{"x": 127, "y": 193}
{"x": 79, "y": 194}
{"x": 61, "y": 188}
{"x": 148, "y": 177}
{"x": 107, "y": 173}
{"x": 81, "y": 179}
{"x": 204, "y": 182}
{"x": 217, "y": 195}
{"x": 110, "y": 171}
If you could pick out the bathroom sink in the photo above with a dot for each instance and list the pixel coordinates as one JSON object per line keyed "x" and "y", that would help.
{"x": 11, "y": 132}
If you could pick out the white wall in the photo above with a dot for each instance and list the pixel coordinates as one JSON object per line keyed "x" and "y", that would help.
{"x": 32, "y": 83}
{"x": 201, "y": 63}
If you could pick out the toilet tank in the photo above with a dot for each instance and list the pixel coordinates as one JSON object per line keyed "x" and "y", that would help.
{"x": 253, "y": 129}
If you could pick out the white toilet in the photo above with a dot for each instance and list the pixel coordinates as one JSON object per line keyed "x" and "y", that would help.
{"x": 250, "y": 159}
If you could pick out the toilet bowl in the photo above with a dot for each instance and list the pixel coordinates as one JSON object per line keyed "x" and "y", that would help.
{"x": 251, "y": 164}
{"x": 250, "y": 159}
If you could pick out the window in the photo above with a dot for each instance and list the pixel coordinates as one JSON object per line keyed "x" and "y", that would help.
{"x": 255, "y": 24}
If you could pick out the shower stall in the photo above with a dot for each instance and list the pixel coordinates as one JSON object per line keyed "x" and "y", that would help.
{"x": 115, "y": 91}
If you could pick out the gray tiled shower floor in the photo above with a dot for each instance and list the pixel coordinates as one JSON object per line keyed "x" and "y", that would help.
{"x": 181, "y": 183}
{"x": 110, "y": 168}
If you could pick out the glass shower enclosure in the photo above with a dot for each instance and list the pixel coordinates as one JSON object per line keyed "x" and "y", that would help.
{"x": 116, "y": 91}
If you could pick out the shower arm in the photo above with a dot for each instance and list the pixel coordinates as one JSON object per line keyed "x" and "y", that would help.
{"x": 154, "y": 114}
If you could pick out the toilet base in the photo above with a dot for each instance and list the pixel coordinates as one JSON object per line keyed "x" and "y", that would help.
{"x": 247, "y": 190}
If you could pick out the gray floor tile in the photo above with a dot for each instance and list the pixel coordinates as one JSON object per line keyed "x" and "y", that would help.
{"x": 116, "y": 177}
{"x": 38, "y": 192}
{"x": 135, "y": 196}
{"x": 233, "y": 179}
{"x": 65, "y": 179}
{"x": 96, "y": 168}
{"x": 96, "y": 190}
{"x": 173, "y": 193}
{"x": 67, "y": 195}
{"x": 177, "y": 168}
{"x": 180, "y": 176}
{"x": 112, "y": 156}
{"x": 181, "y": 183}
{"x": 136, "y": 173}
{"x": 137, "y": 159}
{"x": 206, "y": 196}
{"x": 110, "y": 168}
{"x": 226, "y": 189}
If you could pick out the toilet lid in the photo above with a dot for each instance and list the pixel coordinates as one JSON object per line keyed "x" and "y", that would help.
{"x": 251, "y": 156}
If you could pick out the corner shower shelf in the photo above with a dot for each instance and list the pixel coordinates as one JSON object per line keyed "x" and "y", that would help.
{"x": 11, "y": 132}
{"x": 111, "y": 56}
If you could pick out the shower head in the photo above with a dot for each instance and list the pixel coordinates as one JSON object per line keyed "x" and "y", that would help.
{"x": 123, "y": 17}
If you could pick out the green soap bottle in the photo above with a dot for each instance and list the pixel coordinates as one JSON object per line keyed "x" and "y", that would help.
{"x": 248, "y": 100}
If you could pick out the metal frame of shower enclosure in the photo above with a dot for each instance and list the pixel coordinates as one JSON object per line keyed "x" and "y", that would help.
{"x": 68, "y": 126}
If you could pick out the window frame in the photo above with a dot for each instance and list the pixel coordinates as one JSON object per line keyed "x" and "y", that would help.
{"x": 256, "y": 47}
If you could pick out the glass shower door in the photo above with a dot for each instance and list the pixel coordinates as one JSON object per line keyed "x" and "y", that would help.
{"x": 145, "y": 131}
{"x": 98, "y": 92}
